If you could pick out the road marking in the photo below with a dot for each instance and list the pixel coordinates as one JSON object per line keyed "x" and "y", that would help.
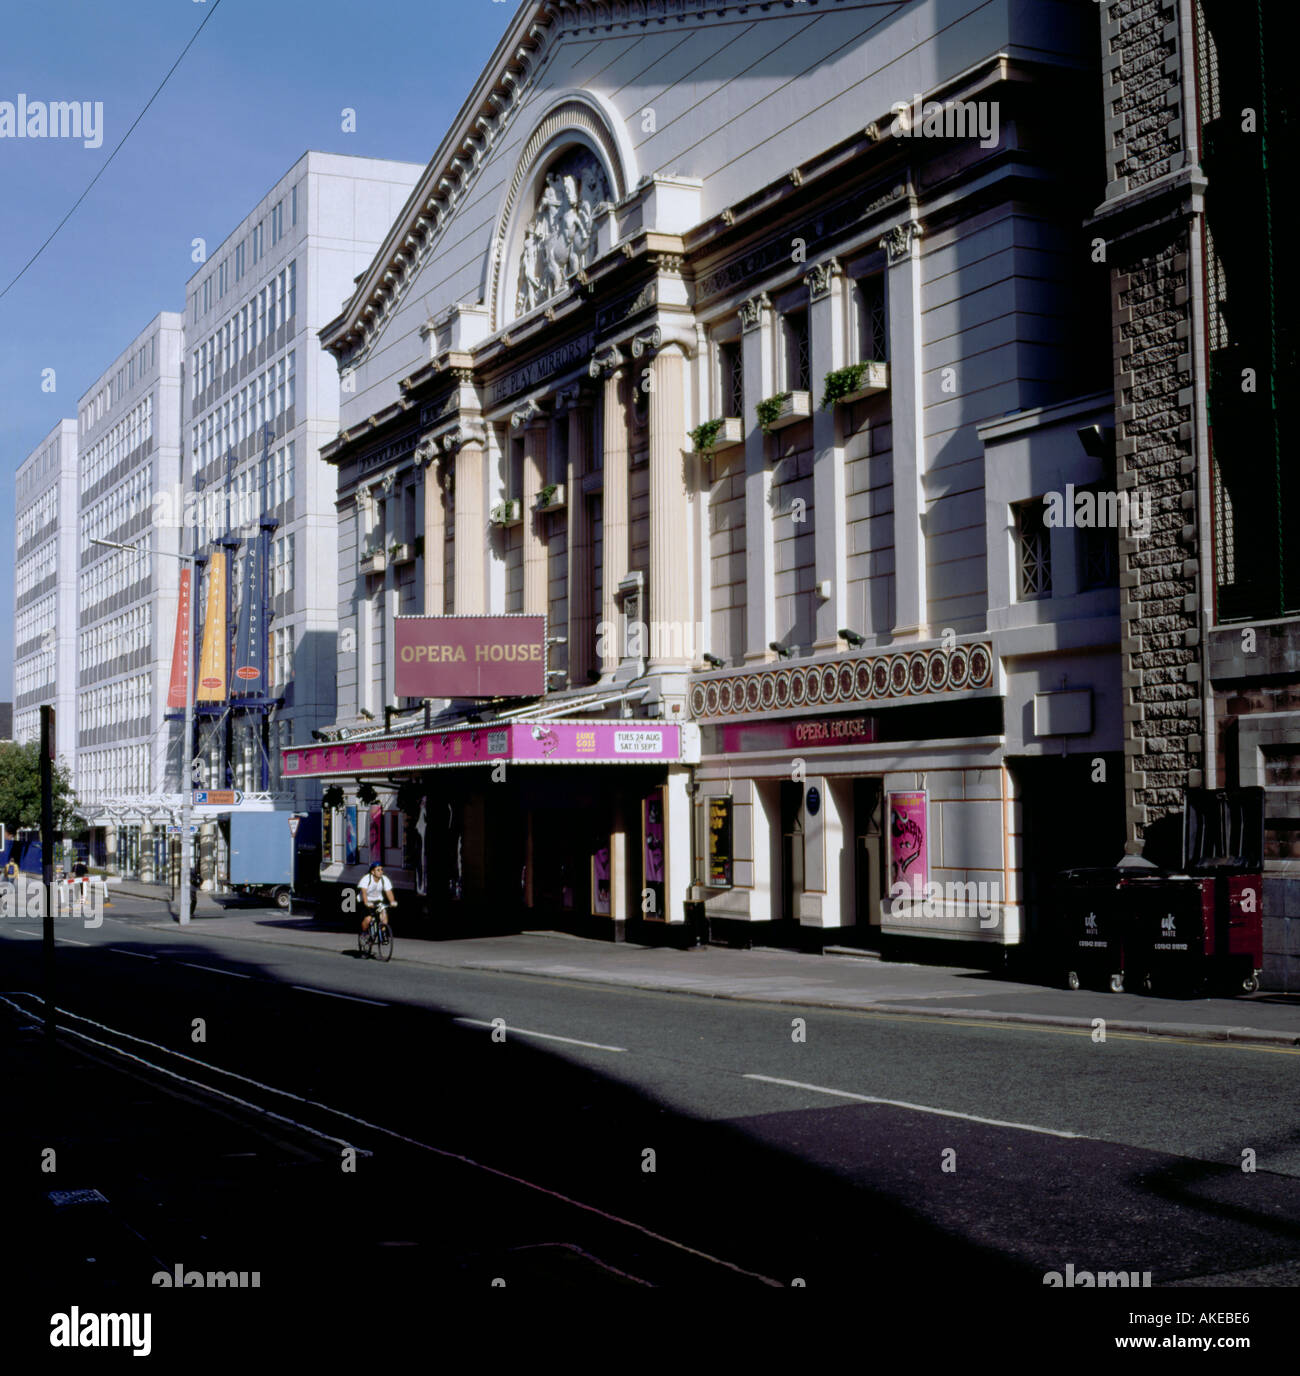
{"x": 140, "y": 955}
{"x": 545, "y": 1036}
{"x": 215, "y": 969}
{"x": 387, "y": 1132}
{"x": 917, "y": 1108}
{"x": 330, "y": 994}
{"x": 25, "y": 932}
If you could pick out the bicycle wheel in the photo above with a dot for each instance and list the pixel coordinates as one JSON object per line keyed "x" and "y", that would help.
{"x": 383, "y": 941}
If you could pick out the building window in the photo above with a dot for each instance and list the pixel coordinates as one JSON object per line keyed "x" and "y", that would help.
{"x": 1098, "y": 554}
{"x": 798, "y": 354}
{"x": 293, "y": 291}
{"x": 871, "y": 319}
{"x": 277, "y": 221}
{"x": 1034, "y": 551}
{"x": 732, "y": 370}
{"x": 293, "y": 206}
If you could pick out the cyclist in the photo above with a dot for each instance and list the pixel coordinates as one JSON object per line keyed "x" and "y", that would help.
{"x": 376, "y": 888}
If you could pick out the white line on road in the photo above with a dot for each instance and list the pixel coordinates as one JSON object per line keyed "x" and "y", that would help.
{"x": 330, "y": 994}
{"x": 25, "y": 932}
{"x": 916, "y": 1108}
{"x": 140, "y": 955}
{"x": 215, "y": 969}
{"x": 389, "y": 1132}
{"x": 546, "y": 1036}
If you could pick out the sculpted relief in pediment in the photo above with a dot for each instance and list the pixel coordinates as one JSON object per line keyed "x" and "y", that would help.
{"x": 561, "y": 237}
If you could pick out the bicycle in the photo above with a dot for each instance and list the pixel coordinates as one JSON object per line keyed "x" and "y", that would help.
{"x": 377, "y": 940}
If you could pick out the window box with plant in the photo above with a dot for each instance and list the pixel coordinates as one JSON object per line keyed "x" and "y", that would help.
{"x": 550, "y": 498}
{"x": 400, "y": 552}
{"x": 717, "y": 436}
{"x": 373, "y": 558}
{"x": 785, "y": 408}
{"x": 850, "y": 384}
{"x": 506, "y": 513}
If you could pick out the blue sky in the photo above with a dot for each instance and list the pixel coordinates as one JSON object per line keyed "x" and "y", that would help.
{"x": 263, "y": 83}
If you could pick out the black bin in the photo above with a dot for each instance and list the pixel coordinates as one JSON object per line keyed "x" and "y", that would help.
{"x": 1091, "y": 928}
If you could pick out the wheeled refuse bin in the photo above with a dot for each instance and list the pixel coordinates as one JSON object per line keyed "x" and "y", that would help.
{"x": 1091, "y": 928}
{"x": 1200, "y": 927}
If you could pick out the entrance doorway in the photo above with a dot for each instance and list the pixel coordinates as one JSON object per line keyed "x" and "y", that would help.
{"x": 868, "y": 857}
{"x": 792, "y": 832}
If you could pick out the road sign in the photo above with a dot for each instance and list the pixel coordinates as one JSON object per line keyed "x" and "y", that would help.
{"x": 293, "y": 825}
{"x": 176, "y": 831}
{"x": 218, "y": 797}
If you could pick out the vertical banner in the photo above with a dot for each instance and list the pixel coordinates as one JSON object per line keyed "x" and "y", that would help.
{"x": 376, "y": 833}
{"x": 422, "y": 849}
{"x": 178, "y": 688}
{"x": 350, "y": 850}
{"x": 212, "y": 661}
{"x": 909, "y": 832}
{"x": 249, "y": 677}
{"x": 719, "y": 872}
{"x": 652, "y": 856}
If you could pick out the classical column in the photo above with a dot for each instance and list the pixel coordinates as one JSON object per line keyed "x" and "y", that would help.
{"x": 533, "y": 421}
{"x": 758, "y": 356}
{"x": 671, "y": 638}
{"x": 466, "y": 442}
{"x": 911, "y": 603}
{"x": 826, "y": 335}
{"x": 610, "y": 363}
{"x": 429, "y": 459}
{"x": 581, "y": 631}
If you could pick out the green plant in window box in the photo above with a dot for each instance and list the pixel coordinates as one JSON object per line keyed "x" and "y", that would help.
{"x": 842, "y": 383}
{"x": 703, "y": 436}
{"x": 546, "y": 493}
{"x": 769, "y": 411}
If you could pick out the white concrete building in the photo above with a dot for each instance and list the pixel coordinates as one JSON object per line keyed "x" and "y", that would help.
{"x": 129, "y": 445}
{"x": 45, "y": 589}
{"x": 260, "y": 399}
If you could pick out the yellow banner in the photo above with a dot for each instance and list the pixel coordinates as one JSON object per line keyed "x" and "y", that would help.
{"x": 212, "y": 660}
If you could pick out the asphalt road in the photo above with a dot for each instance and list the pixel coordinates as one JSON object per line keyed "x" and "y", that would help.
{"x": 614, "y": 1135}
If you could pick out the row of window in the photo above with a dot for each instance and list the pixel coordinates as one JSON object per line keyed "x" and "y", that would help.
{"x": 124, "y": 634}
{"x": 266, "y": 396}
{"x": 35, "y": 569}
{"x": 253, "y": 322}
{"x": 34, "y": 620}
{"x": 117, "y": 772}
{"x": 32, "y": 474}
{"x": 124, "y": 438}
{"x": 114, "y": 573}
{"x": 114, "y": 509}
{"x": 136, "y": 367}
{"x": 40, "y": 514}
{"x": 114, "y": 704}
{"x": 34, "y": 672}
{"x": 231, "y": 269}
{"x": 1098, "y": 552}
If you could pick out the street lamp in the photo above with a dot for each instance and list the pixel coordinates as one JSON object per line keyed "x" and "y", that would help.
{"x": 187, "y": 778}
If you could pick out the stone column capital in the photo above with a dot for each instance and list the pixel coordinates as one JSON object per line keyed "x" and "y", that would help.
{"x": 604, "y": 361}
{"x": 529, "y": 414}
{"x": 897, "y": 242}
{"x": 752, "y": 311}
{"x": 821, "y": 277}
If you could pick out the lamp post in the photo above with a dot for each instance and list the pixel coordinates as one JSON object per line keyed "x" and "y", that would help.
{"x": 187, "y": 777}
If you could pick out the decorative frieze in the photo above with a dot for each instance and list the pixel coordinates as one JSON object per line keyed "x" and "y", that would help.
{"x": 892, "y": 676}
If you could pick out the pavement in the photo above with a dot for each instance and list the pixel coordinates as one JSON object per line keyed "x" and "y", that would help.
{"x": 785, "y": 977}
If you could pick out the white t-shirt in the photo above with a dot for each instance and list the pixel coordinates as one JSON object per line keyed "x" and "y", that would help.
{"x": 376, "y": 889}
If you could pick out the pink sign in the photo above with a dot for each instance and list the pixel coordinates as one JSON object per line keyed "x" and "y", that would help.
{"x": 551, "y": 742}
{"x": 909, "y": 859}
{"x": 470, "y": 656}
{"x": 800, "y": 733}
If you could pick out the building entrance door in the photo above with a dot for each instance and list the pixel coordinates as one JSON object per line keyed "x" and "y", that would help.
{"x": 869, "y": 857}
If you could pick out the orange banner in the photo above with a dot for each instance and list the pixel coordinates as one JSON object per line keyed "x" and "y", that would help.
{"x": 176, "y": 689}
{"x": 212, "y": 660}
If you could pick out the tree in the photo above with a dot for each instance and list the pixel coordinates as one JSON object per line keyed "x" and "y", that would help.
{"x": 20, "y": 788}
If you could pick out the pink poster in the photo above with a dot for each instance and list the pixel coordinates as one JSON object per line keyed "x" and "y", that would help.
{"x": 909, "y": 859}
{"x": 376, "y": 834}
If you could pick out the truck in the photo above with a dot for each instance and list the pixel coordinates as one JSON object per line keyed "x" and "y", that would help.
{"x": 261, "y": 855}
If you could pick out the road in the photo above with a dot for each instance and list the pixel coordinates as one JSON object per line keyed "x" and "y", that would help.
{"x": 537, "y": 1131}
